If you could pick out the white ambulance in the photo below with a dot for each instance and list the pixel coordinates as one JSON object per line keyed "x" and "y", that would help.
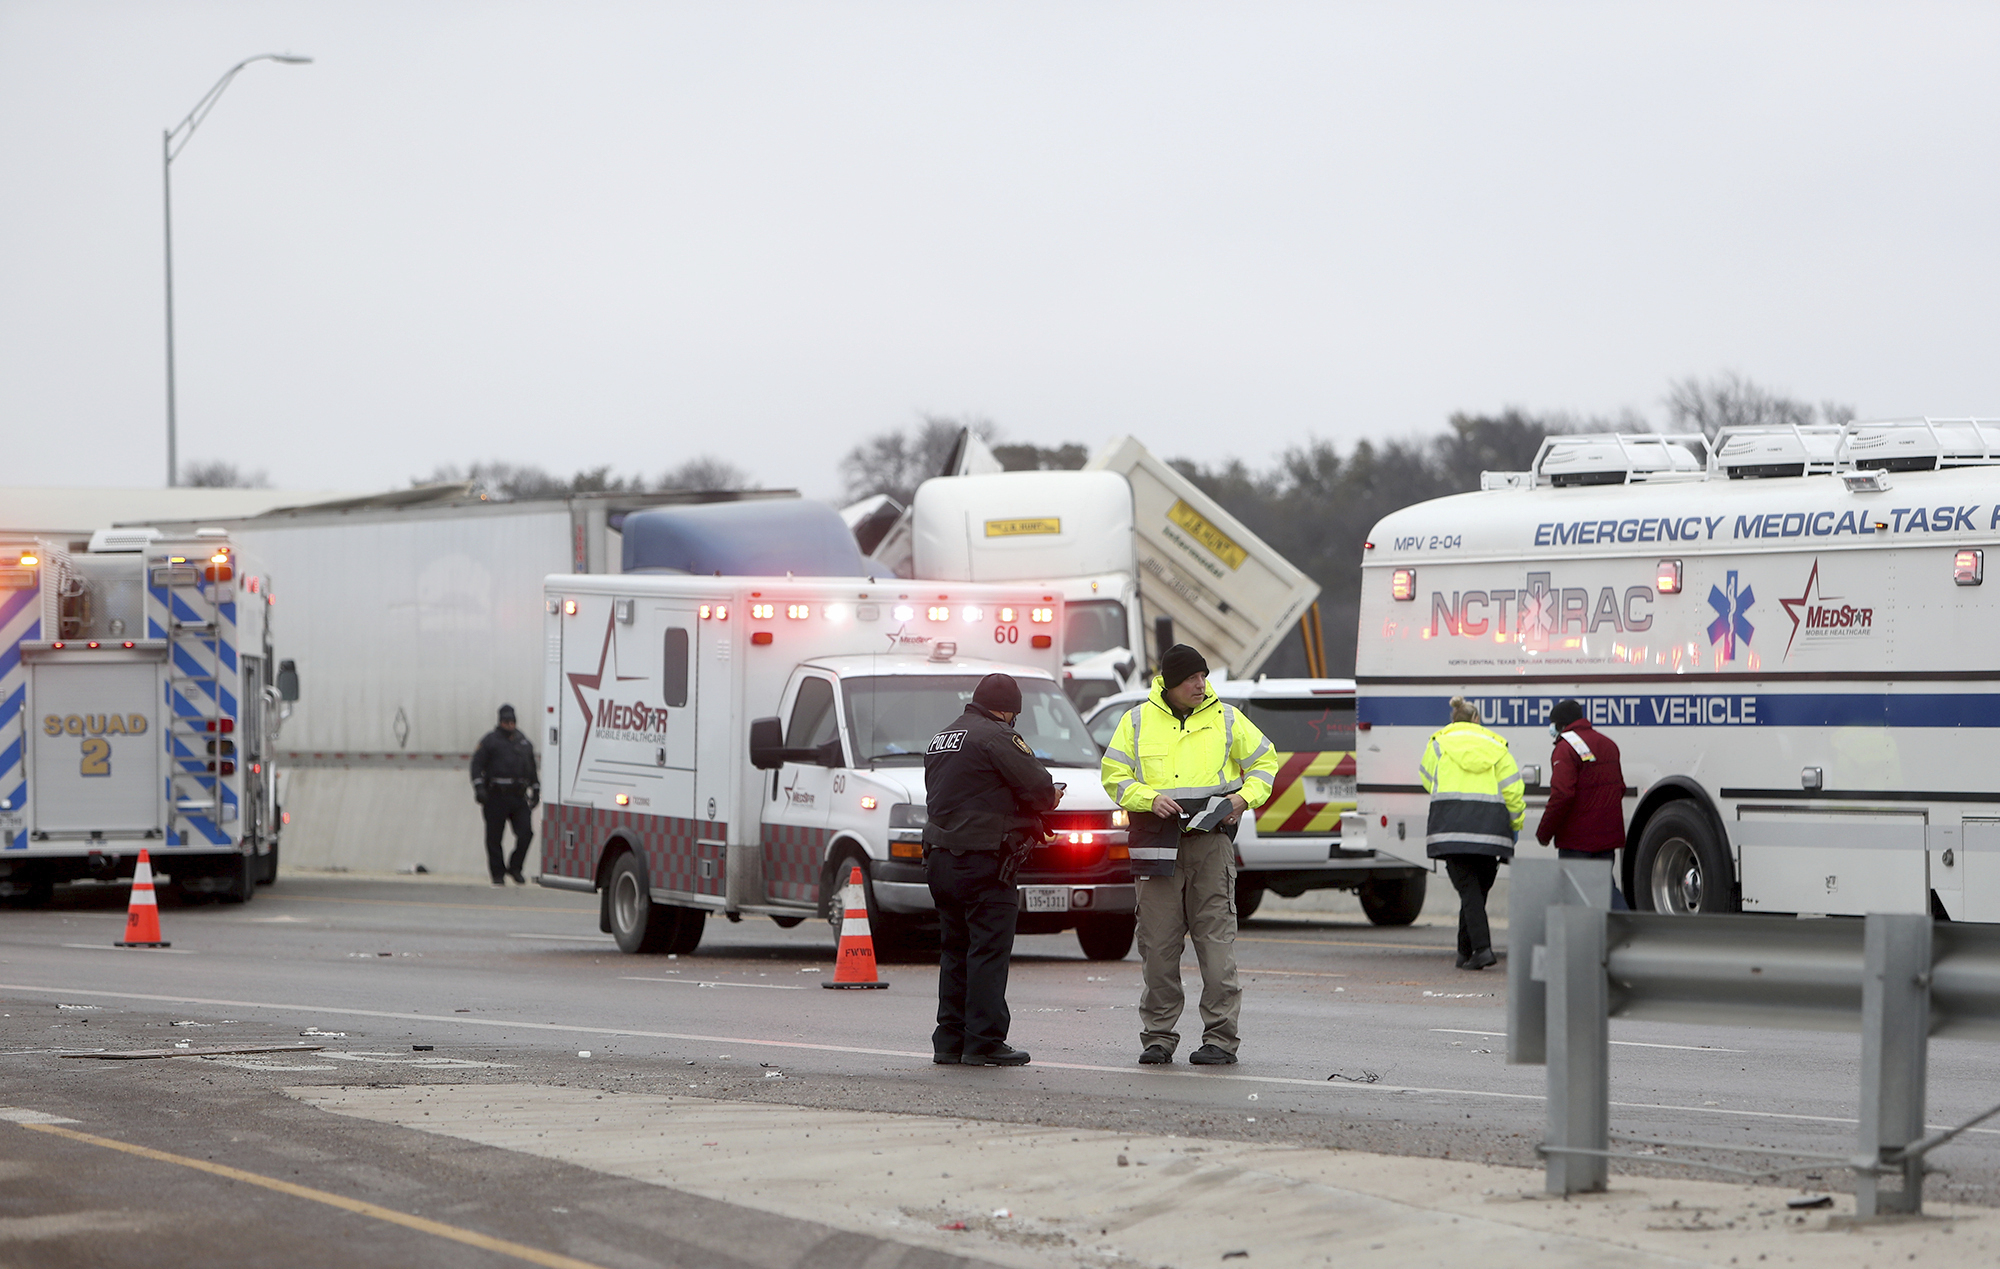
{"x": 739, "y": 744}
{"x": 139, "y": 701}
{"x": 1787, "y": 633}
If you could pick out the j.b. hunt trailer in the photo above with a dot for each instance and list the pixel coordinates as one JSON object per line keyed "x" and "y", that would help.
{"x": 138, "y": 697}
{"x": 738, "y": 745}
{"x": 1788, "y": 636}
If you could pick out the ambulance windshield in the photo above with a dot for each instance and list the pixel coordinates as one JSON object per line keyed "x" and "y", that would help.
{"x": 893, "y": 718}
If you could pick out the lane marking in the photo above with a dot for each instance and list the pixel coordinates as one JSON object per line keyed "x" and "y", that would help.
{"x": 567, "y": 938}
{"x": 1394, "y": 947}
{"x": 471, "y": 1238}
{"x": 22, "y": 1115}
{"x": 1630, "y": 1044}
{"x": 418, "y": 903}
{"x": 631, "y": 1032}
{"x": 1297, "y": 973}
{"x": 701, "y": 982}
{"x": 106, "y": 947}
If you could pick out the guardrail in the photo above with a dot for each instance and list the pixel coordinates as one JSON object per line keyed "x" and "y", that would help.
{"x": 1896, "y": 978}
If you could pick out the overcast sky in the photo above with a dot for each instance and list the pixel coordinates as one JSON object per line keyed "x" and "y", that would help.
{"x": 582, "y": 233}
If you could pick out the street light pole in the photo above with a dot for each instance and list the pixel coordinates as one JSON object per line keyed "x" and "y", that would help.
{"x": 172, "y": 142}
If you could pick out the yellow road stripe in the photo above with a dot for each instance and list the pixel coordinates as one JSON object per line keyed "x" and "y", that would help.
{"x": 470, "y": 1238}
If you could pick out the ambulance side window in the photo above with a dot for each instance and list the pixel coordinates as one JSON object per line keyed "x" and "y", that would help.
{"x": 813, "y": 722}
{"x": 674, "y": 670}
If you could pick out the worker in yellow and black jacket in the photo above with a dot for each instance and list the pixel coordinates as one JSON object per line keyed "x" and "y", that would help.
{"x": 1173, "y": 755}
{"x": 1477, "y": 810}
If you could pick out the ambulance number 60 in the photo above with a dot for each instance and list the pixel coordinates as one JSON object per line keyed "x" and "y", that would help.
{"x": 1006, "y": 634}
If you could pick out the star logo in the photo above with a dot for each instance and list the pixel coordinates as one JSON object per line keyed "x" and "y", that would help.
{"x": 589, "y": 687}
{"x": 1809, "y": 596}
{"x": 1730, "y": 624}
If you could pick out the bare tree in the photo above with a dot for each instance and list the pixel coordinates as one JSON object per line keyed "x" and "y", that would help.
{"x": 705, "y": 472}
{"x": 216, "y": 473}
{"x": 1731, "y": 400}
{"x": 895, "y": 463}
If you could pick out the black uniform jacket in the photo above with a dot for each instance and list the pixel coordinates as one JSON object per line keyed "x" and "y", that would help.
{"x": 504, "y": 761}
{"x": 983, "y": 785}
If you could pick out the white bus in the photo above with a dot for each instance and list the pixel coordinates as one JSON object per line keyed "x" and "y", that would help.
{"x": 1786, "y": 632}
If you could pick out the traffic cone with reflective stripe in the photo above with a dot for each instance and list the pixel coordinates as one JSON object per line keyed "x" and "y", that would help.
{"x": 142, "y": 916}
{"x": 854, "y": 965}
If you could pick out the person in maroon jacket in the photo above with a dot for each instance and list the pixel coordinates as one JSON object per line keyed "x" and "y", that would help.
{"x": 1585, "y": 815}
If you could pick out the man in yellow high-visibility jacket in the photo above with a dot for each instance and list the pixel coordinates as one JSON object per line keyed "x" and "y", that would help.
{"x": 1173, "y": 755}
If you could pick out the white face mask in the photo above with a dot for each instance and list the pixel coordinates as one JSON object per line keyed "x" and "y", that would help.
{"x": 1555, "y": 732}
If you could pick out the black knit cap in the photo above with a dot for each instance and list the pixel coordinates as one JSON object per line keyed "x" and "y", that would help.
{"x": 506, "y": 713}
{"x": 1180, "y": 662}
{"x": 1565, "y": 713}
{"x": 999, "y": 693}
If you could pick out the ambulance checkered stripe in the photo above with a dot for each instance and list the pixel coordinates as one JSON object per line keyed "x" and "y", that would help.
{"x": 666, "y": 843}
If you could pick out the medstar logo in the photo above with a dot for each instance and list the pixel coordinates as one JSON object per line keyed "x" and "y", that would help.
{"x": 1822, "y": 616}
{"x": 901, "y": 635}
{"x": 604, "y": 717}
{"x": 1730, "y": 624}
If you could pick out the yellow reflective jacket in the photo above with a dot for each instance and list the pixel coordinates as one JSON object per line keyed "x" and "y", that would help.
{"x": 1214, "y": 750}
{"x": 1477, "y": 804}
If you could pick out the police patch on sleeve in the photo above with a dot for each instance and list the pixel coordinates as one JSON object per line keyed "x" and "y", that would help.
{"x": 947, "y": 742}
{"x": 1022, "y": 745}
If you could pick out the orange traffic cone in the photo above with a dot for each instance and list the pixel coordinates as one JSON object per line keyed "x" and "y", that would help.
{"x": 142, "y": 918}
{"x": 855, "y": 963}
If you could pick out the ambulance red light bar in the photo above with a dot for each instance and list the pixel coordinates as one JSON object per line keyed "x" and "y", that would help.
{"x": 1968, "y": 568}
{"x": 222, "y": 726}
{"x": 1403, "y": 585}
{"x": 1667, "y": 577}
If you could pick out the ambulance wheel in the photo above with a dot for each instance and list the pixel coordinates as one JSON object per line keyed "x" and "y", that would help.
{"x": 687, "y": 925}
{"x": 1681, "y": 867}
{"x": 269, "y": 874}
{"x": 240, "y": 877}
{"x": 886, "y": 931}
{"x": 1249, "y": 895}
{"x": 1393, "y": 901}
{"x": 1106, "y": 938}
{"x": 639, "y": 924}
{"x": 39, "y": 893}
{"x": 787, "y": 923}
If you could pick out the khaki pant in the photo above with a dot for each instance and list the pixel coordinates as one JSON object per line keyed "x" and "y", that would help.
{"x": 1199, "y": 900}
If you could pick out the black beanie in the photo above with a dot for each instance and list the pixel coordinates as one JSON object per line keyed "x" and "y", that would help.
{"x": 1180, "y": 662}
{"x": 999, "y": 693}
{"x": 506, "y": 713}
{"x": 1565, "y": 713}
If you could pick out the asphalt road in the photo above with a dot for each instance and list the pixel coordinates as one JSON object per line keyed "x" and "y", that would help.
{"x": 512, "y": 986}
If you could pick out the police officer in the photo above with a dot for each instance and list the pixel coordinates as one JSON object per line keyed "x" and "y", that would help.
{"x": 506, "y": 783}
{"x": 985, "y": 793}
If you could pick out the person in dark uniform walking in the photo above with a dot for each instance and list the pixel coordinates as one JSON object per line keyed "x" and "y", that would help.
{"x": 985, "y": 794}
{"x": 508, "y": 786}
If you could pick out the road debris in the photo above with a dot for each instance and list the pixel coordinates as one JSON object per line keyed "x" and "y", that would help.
{"x": 1366, "y": 1077}
{"x": 206, "y": 1050}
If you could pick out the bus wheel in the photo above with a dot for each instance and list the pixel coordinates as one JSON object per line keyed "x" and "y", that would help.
{"x": 1681, "y": 868}
{"x": 1394, "y": 901}
{"x": 639, "y": 924}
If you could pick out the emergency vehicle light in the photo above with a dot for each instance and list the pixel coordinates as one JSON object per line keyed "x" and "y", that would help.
{"x": 716, "y": 612}
{"x": 1403, "y": 585}
{"x": 92, "y": 644}
{"x": 59, "y": 644}
{"x": 972, "y": 612}
{"x": 1042, "y": 641}
{"x": 223, "y": 768}
{"x": 938, "y": 612}
{"x": 868, "y": 802}
{"x": 762, "y": 638}
{"x": 833, "y": 612}
{"x": 222, "y": 725}
{"x": 1968, "y": 568}
{"x": 1667, "y": 577}
{"x": 904, "y": 612}
{"x": 29, "y": 559}
{"x": 763, "y": 612}
{"x": 569, "y": 607}
{"x": 128, "y": 643}
{"x": 1006, "y": 614}
{"x": 1041, "y": 616}
{"x": 624, "y": 799}
{"x": 798, "y": 612}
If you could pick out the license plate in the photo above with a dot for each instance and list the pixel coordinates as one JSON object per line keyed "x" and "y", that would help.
{"x": 1045, "y": 898}
{"x": 1329, "y": 788}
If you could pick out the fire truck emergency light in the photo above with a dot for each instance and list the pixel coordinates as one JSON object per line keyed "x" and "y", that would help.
{"x": 1667, "y": 577}
{"x": 1403, "y": 584}
{"x": 1968, "y": 568}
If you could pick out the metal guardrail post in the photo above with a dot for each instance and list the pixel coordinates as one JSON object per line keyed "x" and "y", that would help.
{"x": 1579, "y": 1050}
{"x": 1895, "y": 1038}
{"x": 1533, "y": 887}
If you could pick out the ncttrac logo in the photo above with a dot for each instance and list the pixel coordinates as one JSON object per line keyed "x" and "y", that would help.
{"x": 1730, "y": 624}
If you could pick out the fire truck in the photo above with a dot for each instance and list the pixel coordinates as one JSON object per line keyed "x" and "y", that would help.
{"x": 738, "y": 745}
{"x": 139, "y": 697}
{"x": 1786, "y": 630}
